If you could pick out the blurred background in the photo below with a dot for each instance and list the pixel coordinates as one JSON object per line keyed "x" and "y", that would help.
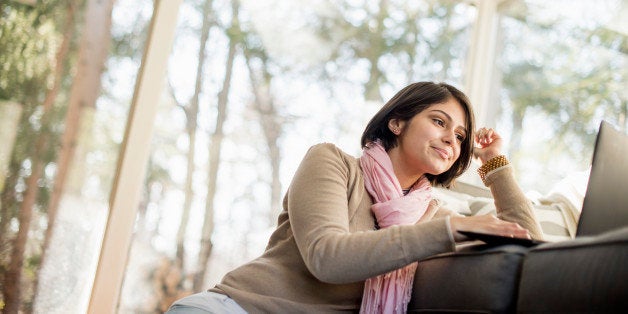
{"x": 249, "y": 86}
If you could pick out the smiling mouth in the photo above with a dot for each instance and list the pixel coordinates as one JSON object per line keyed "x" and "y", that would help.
{"x": 442, "y": 153}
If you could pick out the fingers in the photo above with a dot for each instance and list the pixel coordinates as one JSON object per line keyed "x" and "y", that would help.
{"x": 507, "y": 228}
{"x": 435, "y": 202}
{"x": 487, "y": 224}
{"x": 513, "y": 230}
{"x": 485, "y": 136}
{"x": 488, "y": 144}
{"x": 432, "y": 208}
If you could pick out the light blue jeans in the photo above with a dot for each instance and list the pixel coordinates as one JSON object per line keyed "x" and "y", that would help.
{"x": 206, "y": 302}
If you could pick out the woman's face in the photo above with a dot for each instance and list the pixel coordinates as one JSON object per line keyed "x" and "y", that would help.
{"x": 431, "y": 141}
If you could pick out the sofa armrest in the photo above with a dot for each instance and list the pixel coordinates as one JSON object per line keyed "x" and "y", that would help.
{"x": 588, "y": 274}
{"x": 475, "y": 278}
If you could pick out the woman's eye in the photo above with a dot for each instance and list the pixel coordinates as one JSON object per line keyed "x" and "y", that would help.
{"x": 460, "y": 137}
{"x": 439, "y": 122}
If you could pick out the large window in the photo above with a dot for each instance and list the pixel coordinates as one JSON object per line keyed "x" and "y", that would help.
{"x": 563, "y": 67}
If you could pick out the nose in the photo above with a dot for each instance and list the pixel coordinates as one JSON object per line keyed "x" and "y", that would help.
{"x": 449, "y": 137}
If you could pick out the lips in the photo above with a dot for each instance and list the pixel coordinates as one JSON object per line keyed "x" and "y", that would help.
{"x": 443, "y": 153}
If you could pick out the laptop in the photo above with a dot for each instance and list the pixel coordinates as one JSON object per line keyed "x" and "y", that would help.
{"x": 605, "y": 205}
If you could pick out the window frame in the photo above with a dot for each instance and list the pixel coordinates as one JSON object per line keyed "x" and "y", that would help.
{"x": 132, "y": 159}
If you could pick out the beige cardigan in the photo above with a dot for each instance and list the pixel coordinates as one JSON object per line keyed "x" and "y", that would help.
{"x": 326, "y": 245}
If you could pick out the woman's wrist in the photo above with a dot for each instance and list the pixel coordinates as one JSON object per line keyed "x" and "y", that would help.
{"x": 488, "y": 155}
{"x": 492, "y": 164}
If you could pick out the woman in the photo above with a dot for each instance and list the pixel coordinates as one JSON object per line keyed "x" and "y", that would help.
{"x": 352, "y": 229}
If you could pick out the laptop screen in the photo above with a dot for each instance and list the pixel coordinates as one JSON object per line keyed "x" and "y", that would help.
{"x": 605, "y": 205}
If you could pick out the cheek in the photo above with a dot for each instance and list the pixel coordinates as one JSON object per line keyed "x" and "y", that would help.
{"x": 457, "y": 152}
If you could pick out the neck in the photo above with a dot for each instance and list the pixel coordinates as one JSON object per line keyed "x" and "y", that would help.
{"x": 406, "y": 184}
{"x": 404, "y": 174}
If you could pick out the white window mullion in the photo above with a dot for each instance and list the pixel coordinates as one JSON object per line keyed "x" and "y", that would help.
{"x": 133, "y": 158}
{"x": 481, "y": 62}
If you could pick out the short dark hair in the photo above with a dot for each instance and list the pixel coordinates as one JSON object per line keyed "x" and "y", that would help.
{"x": 412, "y": 100}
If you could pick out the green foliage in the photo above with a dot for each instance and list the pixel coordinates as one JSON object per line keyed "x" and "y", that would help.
{"x": 30, "y": 37}
{"x": 396, "y": 39}
{"x": 566, "y": 76}
{"x": 27, "y": 45}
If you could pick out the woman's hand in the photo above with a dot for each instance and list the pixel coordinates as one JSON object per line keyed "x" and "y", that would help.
{"x": 488, "y": 144}
{"x": 486, "y": 224}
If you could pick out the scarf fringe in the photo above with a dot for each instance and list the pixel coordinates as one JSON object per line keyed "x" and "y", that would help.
{"x": 395, "y": 285}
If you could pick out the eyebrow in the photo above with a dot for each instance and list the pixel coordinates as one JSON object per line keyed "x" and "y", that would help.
{"x": 450, "y": 119}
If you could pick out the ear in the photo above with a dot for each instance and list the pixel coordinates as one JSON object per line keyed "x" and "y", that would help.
{"x": 396, "y": 126}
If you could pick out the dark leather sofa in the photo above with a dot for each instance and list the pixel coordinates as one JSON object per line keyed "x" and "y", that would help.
{"x": 584, "y": 275}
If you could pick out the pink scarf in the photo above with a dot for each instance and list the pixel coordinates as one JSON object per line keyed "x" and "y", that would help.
{"x": 390, "y": 292}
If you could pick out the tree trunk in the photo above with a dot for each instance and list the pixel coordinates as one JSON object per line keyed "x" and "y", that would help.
{"x": 13, "y": 276}
{"x": 446, "y": 30}
{"x": 86, "y": 86}
{"x": 12, "y": 286}
{"x": 517, "y": 133}
{"x": 62, "y": 57}
{"x": 9, "y": 209}
{"x": 374, "y": 53}
{"x": 192, "y": 117}
{"x": 271, "y": 126}
{"x": 214, "y": 161}
{"x": 10, "y": 113}
{"x": 413, "y": 32}
{"x": 623, "y": 116}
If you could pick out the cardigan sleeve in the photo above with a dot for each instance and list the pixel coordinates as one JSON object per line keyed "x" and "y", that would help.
{"x": 510, "y": 201}
{"x": 318, "y": 211}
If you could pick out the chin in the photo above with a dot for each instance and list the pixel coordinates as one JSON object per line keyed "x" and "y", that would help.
{"x": 440, "y": 171}
{"x": 440, "y": 168}
{"x": 437, "y": 172}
